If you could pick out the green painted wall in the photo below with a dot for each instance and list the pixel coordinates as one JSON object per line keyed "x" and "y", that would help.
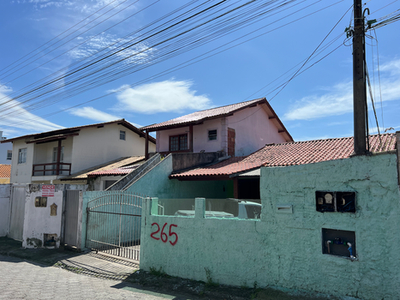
{"x": 284, "y": 250}
{"x": 157, "y": 184}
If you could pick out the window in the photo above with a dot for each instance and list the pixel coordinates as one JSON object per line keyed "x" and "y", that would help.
{"x": 122, "y": 135}
{"x": 22, "y": 156}
{"x": 212, "y": 135}
{"x": 335, "y": 201}
{"x": 9, "y": 154}
{"x": 178, "y": 142}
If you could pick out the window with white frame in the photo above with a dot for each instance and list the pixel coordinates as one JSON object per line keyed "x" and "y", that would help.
{"x": 9, "y": 154}
{"x": 22, "y": 156}
{"x": 212, "y": 135}
{"x": 122, "y": 135}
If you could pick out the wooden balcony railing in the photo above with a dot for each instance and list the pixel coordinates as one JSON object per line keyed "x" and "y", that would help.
{"x": 51, "y": 169}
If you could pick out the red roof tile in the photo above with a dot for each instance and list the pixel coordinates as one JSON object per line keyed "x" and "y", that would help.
{"x": 5, "y": 171}
{"x": 294, "y": 153}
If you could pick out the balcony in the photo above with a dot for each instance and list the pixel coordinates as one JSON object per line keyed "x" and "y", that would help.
{"x": 51, "y": 169}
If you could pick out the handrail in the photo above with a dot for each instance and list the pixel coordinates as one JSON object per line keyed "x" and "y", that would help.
{"x": 56, "y": 168}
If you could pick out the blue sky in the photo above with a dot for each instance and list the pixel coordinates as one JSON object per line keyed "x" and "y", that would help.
{"x": 256, "y": 61}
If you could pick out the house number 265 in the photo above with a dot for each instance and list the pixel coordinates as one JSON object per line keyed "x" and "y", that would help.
{"x": 163, "y": 236}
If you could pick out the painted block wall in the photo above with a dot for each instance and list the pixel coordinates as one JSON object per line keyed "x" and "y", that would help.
{"x": 5, "y": 205}
{"x": 285, "y": 250}
{"x": 38, "y": 221}
{"x": 376, "y": 225}
{"x": 157, "y": 183}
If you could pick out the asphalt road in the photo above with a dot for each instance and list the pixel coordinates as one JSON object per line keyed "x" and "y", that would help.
{"x": 25, "y": 280}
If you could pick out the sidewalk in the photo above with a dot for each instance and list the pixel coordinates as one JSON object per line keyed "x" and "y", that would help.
{"x": 155, "y": 282}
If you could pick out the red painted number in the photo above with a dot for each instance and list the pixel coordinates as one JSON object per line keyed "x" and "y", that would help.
{"x": 155, "y": 232}
{"x": 163, "y": 235}
{"x": 173, "y": 233}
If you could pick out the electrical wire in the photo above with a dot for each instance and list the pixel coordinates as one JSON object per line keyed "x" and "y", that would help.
{"x": 294, "y": 75}
{"x": 89, "y": 83}
{"x": 173, "y": 69}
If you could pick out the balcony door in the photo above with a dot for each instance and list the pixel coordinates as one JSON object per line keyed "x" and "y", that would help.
{"x": 55, "y": 153}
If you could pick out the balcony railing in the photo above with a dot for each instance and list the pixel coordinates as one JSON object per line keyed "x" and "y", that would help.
{"x": 51, "y": 169}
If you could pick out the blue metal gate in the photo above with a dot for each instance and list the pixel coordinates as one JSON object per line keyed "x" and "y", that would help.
{"x": 113, "y": 224}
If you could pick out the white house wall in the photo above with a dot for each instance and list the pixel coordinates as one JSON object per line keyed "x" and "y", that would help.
{"x": 21, "y": 173}
{"x": 4, "y": 148}
{"x": 94, "y": 146}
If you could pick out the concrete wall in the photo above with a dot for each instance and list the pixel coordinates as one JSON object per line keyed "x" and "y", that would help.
{"x": 253, "y": 130}
{"x": 284, "y": 250}
{"x": 5, "y": 205}
{"x": 38, "y": 222}
{"x": 94, "y": 146}
{"x": 157, "y": 183}
{"x": 21, "y": 173}
{"x": 252, "y": 126}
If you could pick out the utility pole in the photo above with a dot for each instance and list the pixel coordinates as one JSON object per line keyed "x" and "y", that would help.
{"x": 359, "y": 81}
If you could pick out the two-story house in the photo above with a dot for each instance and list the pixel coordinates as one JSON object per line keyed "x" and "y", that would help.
{"x": 50, "y": 156}
{"x": 235, "y": 130}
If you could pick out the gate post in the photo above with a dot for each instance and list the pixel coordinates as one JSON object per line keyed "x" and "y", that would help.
{"x": 154, "y": 206}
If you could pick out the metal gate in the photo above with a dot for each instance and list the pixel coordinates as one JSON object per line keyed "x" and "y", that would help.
{"x": 113, "y": 224}
{"x": 18, "y": 197}
{"x": 73, "y": 219}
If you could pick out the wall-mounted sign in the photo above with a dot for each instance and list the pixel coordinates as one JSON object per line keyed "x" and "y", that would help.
{"x": 48, "y": 190}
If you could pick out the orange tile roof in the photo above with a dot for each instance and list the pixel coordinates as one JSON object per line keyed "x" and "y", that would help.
{"x": 288, "y": 154}
{"x": 5, "y": 171}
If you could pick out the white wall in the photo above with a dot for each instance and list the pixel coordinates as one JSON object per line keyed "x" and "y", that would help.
{"x": 4, "y": 148}
{"x": 21, "y": 173}
{"x": 5, "y": 205}
{"x": 38, "y": 221}
{"x": 94, "y": 146}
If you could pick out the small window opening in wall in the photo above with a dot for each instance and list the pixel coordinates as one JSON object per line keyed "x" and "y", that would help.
{"x": 9, "y": 154}
{"x": 22, "y": 156}
{"x": 122, "y": 135}
{"x": 335, "y": 201}
{"x": 339, "y": 242}
{"x": 212, "y": 135}
{"x": 40, "y": 201}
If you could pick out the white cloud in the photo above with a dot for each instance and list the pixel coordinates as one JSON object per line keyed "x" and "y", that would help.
{"x": 137, "y": 54}
{"x": 339, "y": 99}
{"x": 337, "y": 102}
{"x": 13, "y": 115}
{"x": 94, "y": 114}
{"x": 164, "y": 96}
